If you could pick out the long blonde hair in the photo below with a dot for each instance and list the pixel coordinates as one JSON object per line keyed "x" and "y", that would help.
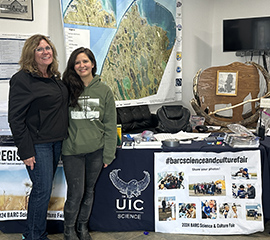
{"x": 27, "y": 60}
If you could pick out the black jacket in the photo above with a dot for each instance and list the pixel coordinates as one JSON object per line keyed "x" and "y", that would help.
{"x": 251, "y": 192}
{"x": 38, "y": 111}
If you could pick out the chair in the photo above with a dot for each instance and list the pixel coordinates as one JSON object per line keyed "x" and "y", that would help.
{"x": 136, "y": 119}
{"x": 173, "y": 118}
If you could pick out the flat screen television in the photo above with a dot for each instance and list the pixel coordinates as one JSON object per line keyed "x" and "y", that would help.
{"x": 246, "y": 34}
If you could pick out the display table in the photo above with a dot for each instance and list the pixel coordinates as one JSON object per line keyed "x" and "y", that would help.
{"x": 113, "y": 211}
{"x": 132, "y": 207}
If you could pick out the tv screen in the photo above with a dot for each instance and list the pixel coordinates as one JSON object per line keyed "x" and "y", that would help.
{"x": 246, "y": 34}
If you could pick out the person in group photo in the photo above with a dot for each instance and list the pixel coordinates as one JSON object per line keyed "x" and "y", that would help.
{"x": 228, "y": 210}
{"x": 251, "y": 191}
{"x": 92, "y": 139}
{"x": 38, "y": 118}
{"x": 235, "y": 211}
{"x": 243, "y": 172}
{"x": 241, "y": 193}
{"x": 209, "y": 209}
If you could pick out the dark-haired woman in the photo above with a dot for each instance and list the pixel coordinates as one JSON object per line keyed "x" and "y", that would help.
{"x": 92, "y": 139}
{"x": 38, "y": 118}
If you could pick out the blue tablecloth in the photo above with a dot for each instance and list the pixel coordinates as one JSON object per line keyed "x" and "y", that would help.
{"x": 131, "y": 165}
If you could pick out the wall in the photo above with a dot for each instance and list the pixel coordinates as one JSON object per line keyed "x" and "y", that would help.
{"x": 202, "y": 34}
{"x": 197, "y": 42}
{"x": 56, "y": 31}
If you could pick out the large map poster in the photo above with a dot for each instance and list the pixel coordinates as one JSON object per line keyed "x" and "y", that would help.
{"x": 137, "y": 45}
{"x": 208, "y": 192}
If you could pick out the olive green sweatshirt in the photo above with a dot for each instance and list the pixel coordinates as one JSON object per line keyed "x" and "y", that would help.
{"x": 93, "y": 126}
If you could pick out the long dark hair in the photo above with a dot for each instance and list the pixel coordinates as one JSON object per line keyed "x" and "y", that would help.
{"x": 72, "y": 79}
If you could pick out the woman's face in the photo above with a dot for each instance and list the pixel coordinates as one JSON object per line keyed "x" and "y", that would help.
{"x": 83, "y": 65}
{"x": 43, "y": 55}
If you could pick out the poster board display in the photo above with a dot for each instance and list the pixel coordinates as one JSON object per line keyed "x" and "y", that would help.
{"x": 208, "y": 193}
{"x": 15, "y": 188}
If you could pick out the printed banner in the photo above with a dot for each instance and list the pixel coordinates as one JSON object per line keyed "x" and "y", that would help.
{"x": 208, "y": 193}
{"x": 15, "y": 188}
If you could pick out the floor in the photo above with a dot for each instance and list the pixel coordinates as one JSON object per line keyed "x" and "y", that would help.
{"x": 152, "y": 235}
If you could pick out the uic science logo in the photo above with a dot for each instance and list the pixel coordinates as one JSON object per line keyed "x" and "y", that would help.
{"x": 128, "y": 208}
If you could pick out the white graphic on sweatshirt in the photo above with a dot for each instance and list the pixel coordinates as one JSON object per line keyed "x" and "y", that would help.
{"x": 88, "y": 109}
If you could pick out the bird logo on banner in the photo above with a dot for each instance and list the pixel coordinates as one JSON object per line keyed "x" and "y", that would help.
{"x": 133, "y": 188}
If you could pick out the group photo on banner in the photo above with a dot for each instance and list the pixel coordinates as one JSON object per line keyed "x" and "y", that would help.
{"x": 208, "y": 192}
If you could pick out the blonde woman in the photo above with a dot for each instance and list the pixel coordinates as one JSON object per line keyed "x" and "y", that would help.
{"x": 38, "y": 118}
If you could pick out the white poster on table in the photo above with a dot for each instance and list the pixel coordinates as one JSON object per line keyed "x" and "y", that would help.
{"x": 208, "y": 192}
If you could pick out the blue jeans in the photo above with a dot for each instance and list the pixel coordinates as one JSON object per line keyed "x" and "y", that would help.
{"x": 81, "y": 173}
{"x": 47, "y": 157}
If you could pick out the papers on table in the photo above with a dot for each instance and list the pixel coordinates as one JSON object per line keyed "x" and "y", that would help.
{"x": 151, "y": 144}
{"x": 148, "y": 145}
{"x": 181, "y": 136}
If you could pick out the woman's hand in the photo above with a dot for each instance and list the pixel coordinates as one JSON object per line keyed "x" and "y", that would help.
{"x": 30, "y": 162}
{"x": 105, "y": 165}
